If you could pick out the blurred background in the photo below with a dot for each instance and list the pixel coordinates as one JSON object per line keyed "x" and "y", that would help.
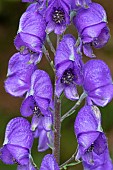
{"x": 10, "y": 12}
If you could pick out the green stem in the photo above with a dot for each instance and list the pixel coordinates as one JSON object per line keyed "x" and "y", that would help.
{"x": 50, "y": 44}
{"x": 72, "y": 110}
{"x": 46, "y": 53}
{"x": 68, "y": 162}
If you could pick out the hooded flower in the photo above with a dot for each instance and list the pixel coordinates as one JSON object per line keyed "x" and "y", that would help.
{"x": 98, "y": 82}
{"x": 57, "y": 16}
{"x": 17, "y": 144}
{"x": 92, "y": 143}
{"x": 91, "y": 24}
{"x": 37, "y": 103}
{"x": 39, "y": 94}
{"x": 18, "y": 79}
{"x": 49, "y": 163}
{"x": 31, "y": 33}
{"x": 68, "y": 66}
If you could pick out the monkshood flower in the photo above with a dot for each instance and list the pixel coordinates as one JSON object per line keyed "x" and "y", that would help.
{"x": 17, "y": 143}
{"x": 39, "y": 94}
{"x": 37, "y": 103}
{"x": 92, "y": 142}
{"x": 98, "y": 82}
{"x": 91, "y": 24}
{"x": 49, "y": 163}
{"x": 57, "y": 16}
{"x": 31, "y": 33}
{"x": 19, "y": 74}
{"x": 41, "y": 125}
{"x": 68, "y": 66}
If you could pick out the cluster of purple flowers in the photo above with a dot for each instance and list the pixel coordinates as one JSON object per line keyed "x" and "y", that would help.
{"x": 24, "y": 79}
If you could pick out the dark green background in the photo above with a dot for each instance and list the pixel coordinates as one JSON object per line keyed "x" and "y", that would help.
{"x": 10, "y": 12}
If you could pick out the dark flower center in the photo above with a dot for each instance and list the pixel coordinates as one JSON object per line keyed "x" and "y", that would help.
{"x": 58, "y": 16}
{"x": 95, "y": 42}
{"x": 67, "y": 77}
{"x": 90, "y": 149}
{"x": 37, "y": 111}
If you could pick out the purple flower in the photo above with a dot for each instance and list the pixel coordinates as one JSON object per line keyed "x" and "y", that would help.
{"x": 42, "y": 127}
{"x": 92, "y": 28}
{"x": 98, "y": 82}
{"x": 18, "y": 81}
{"x": 68, "y": 68}
{"x": 92, "y": 143}
{"x": 57, "y": 16}
{"x": 31, "y": 33}
{"x": 49, "y": 163}
{"x": 39, "y": 94}
{"x": 18, "y": 142}
{"x": 37, "y": 103}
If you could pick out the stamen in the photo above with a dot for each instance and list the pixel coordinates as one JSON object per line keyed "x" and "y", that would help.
{"x": 90, "y": 149}
{"x": 58, "y": 16}
{"x": 95, "y": 42}
{"x": 67, "y": 77}
{"x": 37, "y": 111}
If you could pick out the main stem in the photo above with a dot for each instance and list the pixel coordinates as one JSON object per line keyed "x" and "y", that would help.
{"x": 57, "y": 125}
{"x": 57, "y": 122}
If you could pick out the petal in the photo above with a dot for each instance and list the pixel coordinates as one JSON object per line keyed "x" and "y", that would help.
{"x": 32, "y": 23}
{"x": 59, "y": 88}
{"x": 41, "y": 82}
{"x": 88, "y": 120}
{"x": 87, "y": 49}
{"x": 31, "y": 32}
{"x": 19, "y": 63}
{"x": 65, "y": 50}
{"x": 102, "y": 96}
{"x": 49, "y": 162}
{"x": 26, "y": 167}
{"x": 63, "y": 67}
{"x": 43, "y": 141}
{"x": 27, "y": 106}
{"x": 91, "y": 32}
{"x": 15, "y": 86}
{"x": 102, "y": 38}
{"x": 20, "y": 154}
{"x": 37, "y": 122}
{"x": 86, "y": 139}
{"x": 18, "y": 133}
{"x": 96, "y": 74}
{"x": 47, "y": 123}
{"x": 59, "y": 29}
{"x": 71, "y": 92}
{"x": 5, "y": 155}
{"x": 100, "y": 162}
{"x": 98, "y": 81}
{"x": 100, "y": 144}
{"x": 93, "y": 15}
{"x": 23, "y": 39}
{"x": 42, "y": 103}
